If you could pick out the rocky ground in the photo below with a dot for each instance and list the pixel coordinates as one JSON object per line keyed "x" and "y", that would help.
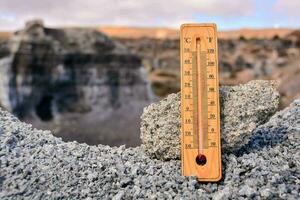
{"x": 241, "y": 59}
{"x": 36, "y": 165}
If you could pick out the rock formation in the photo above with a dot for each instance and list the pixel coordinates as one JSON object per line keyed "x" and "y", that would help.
{"x": 240, "y": 60}
{"x": 73, "y": 81}
{"x": 243, "y": 109}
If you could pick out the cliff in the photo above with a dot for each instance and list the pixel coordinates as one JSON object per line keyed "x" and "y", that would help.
{"x": 72, "y": 81}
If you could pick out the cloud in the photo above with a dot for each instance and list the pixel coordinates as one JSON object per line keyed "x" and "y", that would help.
{"x": 289, "y": 8}
{"x": 13, "y": 13}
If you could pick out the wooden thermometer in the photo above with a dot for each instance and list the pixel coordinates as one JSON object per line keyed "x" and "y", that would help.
{"x": 200, "y": 110}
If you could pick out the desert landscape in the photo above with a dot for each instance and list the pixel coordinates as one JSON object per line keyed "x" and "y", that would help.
{"x": 94, "y": 113}
{"x": 75, "y": 80}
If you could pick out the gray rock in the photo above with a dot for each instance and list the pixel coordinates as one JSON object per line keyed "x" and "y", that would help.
{"x": 160, "y": 128}
{"x": 265, "y": 193}
{"x": 243, "y": 108}
{"x": 247, "y": 191}
{"x": 36, "y": 165}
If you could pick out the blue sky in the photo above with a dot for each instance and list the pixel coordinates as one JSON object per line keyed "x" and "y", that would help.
{"x": 228, "y": 14}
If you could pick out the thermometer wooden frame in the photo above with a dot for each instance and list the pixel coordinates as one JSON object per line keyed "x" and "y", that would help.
{"x": 200, "y": 109}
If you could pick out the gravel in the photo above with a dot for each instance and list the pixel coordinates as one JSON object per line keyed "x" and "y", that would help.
{"x": 243, "y": 108}
{"x": 36, "y": 165}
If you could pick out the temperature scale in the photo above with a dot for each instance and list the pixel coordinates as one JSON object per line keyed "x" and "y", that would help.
{"x": 200, "y": 110}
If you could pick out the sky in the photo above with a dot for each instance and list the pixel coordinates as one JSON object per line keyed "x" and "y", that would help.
{"x": 227, "y": 14}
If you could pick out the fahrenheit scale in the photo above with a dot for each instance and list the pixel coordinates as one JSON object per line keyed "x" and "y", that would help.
{"x": 200, "y": 110}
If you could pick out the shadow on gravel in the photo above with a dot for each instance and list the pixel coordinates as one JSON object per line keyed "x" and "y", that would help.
{"x": 263, "y": 137}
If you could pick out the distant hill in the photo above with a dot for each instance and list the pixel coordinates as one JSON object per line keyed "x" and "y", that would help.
{"x": 163, "y": 33}
{"x": 256, "y": 33}
{"x": 136, "y": 32}
{"x": 4, "y": 35}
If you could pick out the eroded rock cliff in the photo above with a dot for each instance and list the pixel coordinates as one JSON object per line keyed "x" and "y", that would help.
{"x": 73, "y": 81}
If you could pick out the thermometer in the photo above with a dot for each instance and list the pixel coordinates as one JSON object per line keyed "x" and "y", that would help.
{"x": 200, "y": 109}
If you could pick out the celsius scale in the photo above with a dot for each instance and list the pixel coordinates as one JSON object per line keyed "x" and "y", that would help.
{"x": 200, "y": 108}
